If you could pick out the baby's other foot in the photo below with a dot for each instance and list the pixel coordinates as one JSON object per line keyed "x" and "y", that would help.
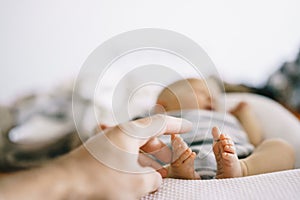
{"x": 228, "y": 164}
{"x": 248, "y": 119}
{"x": 182, "y": 165}
{"x": 241, "y": 110}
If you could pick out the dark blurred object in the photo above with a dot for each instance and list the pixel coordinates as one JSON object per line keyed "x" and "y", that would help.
{"x": 238, "y": 88}
{"x": 47, "y": 119}
{"x": 283, "y": 86}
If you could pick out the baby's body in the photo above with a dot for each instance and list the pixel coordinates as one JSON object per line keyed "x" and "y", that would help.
{"x": 200, "y": 139}
{"x": 189, "y": 98}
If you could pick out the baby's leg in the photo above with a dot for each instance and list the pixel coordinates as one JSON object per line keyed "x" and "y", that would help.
{"x": 228, "y": 164}
{"x": 249, "y": 122}
{"x": 182, "y": 165}
{"x": 270, "y": 156}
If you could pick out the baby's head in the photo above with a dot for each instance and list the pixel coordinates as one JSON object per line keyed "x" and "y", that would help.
{"x": 186, "y": 94}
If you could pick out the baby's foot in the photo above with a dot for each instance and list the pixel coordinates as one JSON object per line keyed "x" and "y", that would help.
{"x": 242, "y": 110}
{"x": 244, "y": 113}
{"x": 182, "y": 165}
{"x": 228, "y": 164}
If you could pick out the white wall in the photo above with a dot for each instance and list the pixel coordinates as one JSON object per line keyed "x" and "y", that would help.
{"x": 45, "y": 42}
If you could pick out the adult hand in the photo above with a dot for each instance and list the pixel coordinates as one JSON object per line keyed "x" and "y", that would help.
{"x": 107, "y": 166}
{"x": 118, "y": 150}
{"x": 153, "y": 147}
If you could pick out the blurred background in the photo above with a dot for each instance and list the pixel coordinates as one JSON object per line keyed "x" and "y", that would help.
{"x": 44, "y": 43}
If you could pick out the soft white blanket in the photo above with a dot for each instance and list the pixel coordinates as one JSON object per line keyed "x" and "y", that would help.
{"x": 278, "y": 185}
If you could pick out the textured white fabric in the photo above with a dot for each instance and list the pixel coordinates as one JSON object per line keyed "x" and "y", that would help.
{"x": 278, "y": 185}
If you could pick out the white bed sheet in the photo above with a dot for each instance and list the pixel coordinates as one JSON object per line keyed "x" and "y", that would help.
{"x": 278, "y": 185}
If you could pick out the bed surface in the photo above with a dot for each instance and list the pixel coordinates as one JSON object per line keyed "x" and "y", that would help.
{"x": 278, "y": 185}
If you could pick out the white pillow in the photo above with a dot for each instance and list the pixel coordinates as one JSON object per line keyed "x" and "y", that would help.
{"x": 276, "y": 121}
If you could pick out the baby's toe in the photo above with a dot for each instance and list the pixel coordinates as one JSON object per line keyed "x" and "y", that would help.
{"x": 215, "y": 133}
{"x": 229, "y": 149}
{"x": 228, "y": 156}
{"x": 185, "y": 155}
{"x": 178, "y": 146}
{"x": 178, "y": 142}
{"x": 226, "y": 140}
{"x": 191, "y": 159}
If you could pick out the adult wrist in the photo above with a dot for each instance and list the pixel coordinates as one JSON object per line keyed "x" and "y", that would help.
{"x": 47, "y": 182}
{"x": 85, "y": 176}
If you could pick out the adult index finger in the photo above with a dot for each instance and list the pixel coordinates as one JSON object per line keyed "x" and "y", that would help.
{"x": 146, "y": 128}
